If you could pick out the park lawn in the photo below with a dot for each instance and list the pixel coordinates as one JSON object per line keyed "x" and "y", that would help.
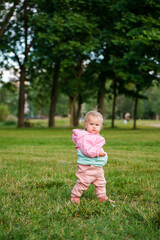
{"x": 37, "y": 174}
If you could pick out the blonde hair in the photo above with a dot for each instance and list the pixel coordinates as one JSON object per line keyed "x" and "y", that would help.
{"x": 93, "y": 113}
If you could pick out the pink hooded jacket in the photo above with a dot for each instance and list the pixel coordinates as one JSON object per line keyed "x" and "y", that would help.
{"x": 90, "y": 144}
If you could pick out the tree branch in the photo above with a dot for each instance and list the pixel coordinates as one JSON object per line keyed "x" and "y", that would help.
{"x": 28, "y": 49}
{"x": 10, "y": 14}
{"x": 17, "y": 58}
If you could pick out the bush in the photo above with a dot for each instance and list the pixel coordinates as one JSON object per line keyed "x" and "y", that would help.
{"x": 11, "y": 118}
{"x": 10, "y": 123}
{"x": 27, "y": 123}
{"x": 4, "y": 112}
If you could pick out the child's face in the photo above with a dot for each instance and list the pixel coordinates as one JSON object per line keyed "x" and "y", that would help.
{"x": 93, "y": 125}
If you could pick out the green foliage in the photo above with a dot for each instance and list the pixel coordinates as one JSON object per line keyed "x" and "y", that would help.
{"x": 39, "y": 91}
{"x": 113, "y": 40}
{"x": 154, "y": 98}
{"x": 9, "y": 96}
{"x": 4, "y": 112}
{"x": 62, "y": 106}
{"x": 11, "y": 120}
{"x": 136, "y": 58}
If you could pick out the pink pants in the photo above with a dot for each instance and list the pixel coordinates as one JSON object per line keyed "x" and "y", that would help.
{"x": 88, "y": 174}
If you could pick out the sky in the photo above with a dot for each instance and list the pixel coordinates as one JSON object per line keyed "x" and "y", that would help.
{"x": 6, "y": 75}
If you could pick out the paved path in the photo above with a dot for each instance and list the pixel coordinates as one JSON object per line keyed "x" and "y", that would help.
{"x": 155, "y": 125}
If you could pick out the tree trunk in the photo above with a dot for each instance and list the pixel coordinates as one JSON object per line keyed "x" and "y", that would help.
{"x": 101, "y": 93}
{"x": 72, "y": 110}
{"x": 52, "y": 110}
{"x": 77, "y": 114}
{"x": 157, "y": 116}
{"x": 135, "y": 112}
{"x": 74, "y": 99}
{"x": 100, "y": 102}
{"x": 132, "y": 110}
{"x": 114, "y": 102}
{"x": 121, "y": 114}
{"x": 21, "y": 100}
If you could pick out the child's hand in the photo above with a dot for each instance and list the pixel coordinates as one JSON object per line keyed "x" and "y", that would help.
{"x": 102, "y": 154}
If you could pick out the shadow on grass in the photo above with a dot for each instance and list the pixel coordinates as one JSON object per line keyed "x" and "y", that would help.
{"x": 140, "y": 217}
{"x": 156, "y": 220}
{"x": 56, "y": 183}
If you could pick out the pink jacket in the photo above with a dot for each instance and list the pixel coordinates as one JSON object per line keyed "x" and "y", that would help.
{"x": 90, "y": 144}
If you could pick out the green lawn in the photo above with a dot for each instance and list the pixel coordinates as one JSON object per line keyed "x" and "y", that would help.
{"x": 37, "y": 174}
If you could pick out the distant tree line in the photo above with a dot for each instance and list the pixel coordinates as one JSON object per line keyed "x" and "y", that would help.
{"x": 81, "y": 49}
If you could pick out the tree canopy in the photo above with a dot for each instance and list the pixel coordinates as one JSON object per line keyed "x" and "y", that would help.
{"x": 78, "y": 48}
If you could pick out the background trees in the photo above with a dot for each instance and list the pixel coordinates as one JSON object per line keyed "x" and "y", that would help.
{"x": 93, "y": 52}
{"x": 18, "y": 39}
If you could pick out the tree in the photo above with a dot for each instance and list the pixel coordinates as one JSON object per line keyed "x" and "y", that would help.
{"x": 76, "y": 84}
{"x": 18, "y": 39}
{"x": 137, "y": 31}
{"x": 61, "y": 28}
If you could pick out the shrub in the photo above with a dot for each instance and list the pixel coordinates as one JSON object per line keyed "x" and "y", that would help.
{"x": 11, "y": 118}
{"x": 9, "y": 123}
{"x": 4, "y": 112}
{"x": 27, "y": 123}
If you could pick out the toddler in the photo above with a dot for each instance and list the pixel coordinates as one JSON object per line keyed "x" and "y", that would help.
{"x": 91, "y": 158}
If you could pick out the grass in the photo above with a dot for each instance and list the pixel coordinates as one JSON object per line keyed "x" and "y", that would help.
{"x": 37, "y": 174}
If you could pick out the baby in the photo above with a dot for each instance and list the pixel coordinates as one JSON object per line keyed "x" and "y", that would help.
{"x": 91, "y": 158}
